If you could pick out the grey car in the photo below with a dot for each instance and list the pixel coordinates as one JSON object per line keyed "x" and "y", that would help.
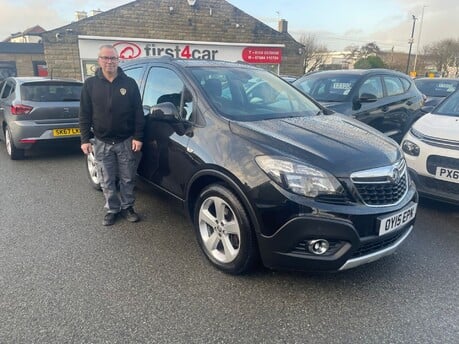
{"x": 37, "y": 109}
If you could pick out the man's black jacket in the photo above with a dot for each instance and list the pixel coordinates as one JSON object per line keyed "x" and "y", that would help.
{"x": 112, "y": 109}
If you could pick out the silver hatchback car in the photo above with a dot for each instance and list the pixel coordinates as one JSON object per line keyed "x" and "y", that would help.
{"x": 37, "y": 109}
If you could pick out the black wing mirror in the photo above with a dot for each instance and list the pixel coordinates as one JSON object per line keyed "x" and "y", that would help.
{"x": 165, "y": 111}
{"x": 367, "y": 98}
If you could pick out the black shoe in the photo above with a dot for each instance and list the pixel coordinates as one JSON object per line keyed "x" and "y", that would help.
{"x": 109, "y": 219}
{"x": 130, "y": 215}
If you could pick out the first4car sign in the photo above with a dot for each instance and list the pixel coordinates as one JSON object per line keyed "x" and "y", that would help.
{"x": 129, "y": 49}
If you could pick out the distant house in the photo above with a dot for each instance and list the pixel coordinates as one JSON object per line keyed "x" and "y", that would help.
{"x": 22, "y": 59}
{"x": 31, "y": 35}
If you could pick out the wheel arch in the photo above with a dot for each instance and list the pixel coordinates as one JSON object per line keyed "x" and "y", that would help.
{"x": 207, "y": 177}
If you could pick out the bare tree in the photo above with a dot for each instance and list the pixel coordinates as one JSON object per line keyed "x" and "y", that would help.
{"x": 445, "y": 54}
{"x": 314, "y": 54}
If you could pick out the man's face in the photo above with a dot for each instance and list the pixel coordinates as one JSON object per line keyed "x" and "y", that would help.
{"x": 108, "y": 60}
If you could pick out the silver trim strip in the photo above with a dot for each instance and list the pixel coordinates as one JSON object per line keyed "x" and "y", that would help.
{"x": 352, "y": 263}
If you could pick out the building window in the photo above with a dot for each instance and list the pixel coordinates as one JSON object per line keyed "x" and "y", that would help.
{"x": 7, "y": 69}
{"x": 40, "y": 68}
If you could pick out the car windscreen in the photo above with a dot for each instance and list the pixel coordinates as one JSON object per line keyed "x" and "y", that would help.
{"x": 51, "y": 91}
{"x": 327, "y": 88}
{"x": 450, "y": 106}
{"x": 250, "y": 94}
{"x": 436, "y": 87}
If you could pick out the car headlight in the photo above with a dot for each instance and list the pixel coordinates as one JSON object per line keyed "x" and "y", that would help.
{"x": 410, "y": 148}
{"x": 300, "y": 178}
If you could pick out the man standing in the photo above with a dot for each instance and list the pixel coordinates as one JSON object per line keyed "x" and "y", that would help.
{"x": 112, "y": 107}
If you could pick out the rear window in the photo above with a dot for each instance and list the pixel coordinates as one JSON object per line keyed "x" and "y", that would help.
{"x": 437, "y": 87}
{"x": 51, "y": 92}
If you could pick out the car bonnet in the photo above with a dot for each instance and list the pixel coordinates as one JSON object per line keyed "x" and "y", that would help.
{"x": 335, "y": 143}
{"x": 438, "y": 126}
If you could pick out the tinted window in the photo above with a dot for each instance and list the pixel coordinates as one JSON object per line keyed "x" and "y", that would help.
{"x": 437, "y": 87}
{"x": 393, "y": 85}
{"x": 373, "y": 86}
{"x": 247, "y": 94}
{"x": 450, "y": 106}
{"x": 325, "y": 87}
{"x": 8, "y": 89}
{"x": 406, "y": 84}
{"x": 136, "y": 74}
{"x": 164, "y": 85}
{"x": 51, "y": 92}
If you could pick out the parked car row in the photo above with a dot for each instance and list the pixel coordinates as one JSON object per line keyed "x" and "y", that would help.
{"x": 263, "y": 171}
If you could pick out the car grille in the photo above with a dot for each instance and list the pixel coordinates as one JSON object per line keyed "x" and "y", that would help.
{"x": 378, "y": 244}
{"x": 434, "y": 161}
{"x": 382, "y": 186}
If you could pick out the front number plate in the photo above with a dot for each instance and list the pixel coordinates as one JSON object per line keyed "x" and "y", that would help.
{"x": 448, "y": 174}
{"x": 66, "y": 132}
{"x": 394, "y": 221}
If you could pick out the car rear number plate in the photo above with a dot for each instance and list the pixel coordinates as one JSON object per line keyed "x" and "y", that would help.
{"x": 448, "y": 174}
{"x": 394, "y": 221}
{"x": 66, "y": 132}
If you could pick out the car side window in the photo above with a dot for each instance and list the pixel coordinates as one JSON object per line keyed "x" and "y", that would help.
{"x": 2, "y": 83}
{"x": 393, "y": 85}
{"x": 136, "y": 74}
{"x": 164, "y": 85}
{"x": 406, "y": 84}
{"x": 7, "y": 90}
{"x": 373, "y": 86}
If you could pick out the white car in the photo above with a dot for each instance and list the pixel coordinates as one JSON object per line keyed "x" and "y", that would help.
{"x": 431, "y": 150}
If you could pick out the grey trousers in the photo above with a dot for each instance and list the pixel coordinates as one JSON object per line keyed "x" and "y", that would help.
{"x": 117, "y": 167}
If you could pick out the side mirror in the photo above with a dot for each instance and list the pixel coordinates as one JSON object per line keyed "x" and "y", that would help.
{"x": 165, "y": 111}
{"x": 367, "y": 98}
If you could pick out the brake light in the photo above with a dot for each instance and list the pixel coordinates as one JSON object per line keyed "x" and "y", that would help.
{"x": 20, "y": 109}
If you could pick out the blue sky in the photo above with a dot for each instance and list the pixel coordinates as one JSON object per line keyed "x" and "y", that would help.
{"x": 334, "y": 23}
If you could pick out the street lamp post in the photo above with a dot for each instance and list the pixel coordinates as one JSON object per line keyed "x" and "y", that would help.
{"x": 411, "y": 44}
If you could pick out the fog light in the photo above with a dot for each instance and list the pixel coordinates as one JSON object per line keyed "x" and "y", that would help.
{"x": 410, "y": 148}
{"x": 319, "y": 246}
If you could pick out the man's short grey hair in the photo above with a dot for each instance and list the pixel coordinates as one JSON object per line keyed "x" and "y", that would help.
{"x": 108, "y": 46}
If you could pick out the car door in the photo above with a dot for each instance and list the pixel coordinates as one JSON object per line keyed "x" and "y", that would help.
{"x": 368, "y": 103}
{"x": 165, "y": 157}
{"x": 396, "y": 108}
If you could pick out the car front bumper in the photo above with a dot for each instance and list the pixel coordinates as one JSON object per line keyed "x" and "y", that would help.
{"x": 422, "y": 170}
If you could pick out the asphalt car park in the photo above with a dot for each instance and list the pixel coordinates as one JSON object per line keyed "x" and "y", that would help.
{"x": 66, "y": 278}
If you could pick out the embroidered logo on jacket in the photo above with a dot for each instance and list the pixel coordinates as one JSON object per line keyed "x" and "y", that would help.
{"x": 122, "y": 91}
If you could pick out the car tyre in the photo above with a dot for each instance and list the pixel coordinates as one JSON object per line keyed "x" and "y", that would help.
{"x": 223, "y": 230}
{"x": 14, "y": 152}
{"x": 92, "y": 171}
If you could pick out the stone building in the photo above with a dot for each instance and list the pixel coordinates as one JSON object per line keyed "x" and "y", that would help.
{"x": 204, "y": 29}
{"x": 21, "y": 59}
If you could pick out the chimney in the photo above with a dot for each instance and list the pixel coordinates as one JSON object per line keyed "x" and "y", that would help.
{"x": 94, "y": 12}
{"x": 80, "y": 15}
{"x": 283, "y": 26}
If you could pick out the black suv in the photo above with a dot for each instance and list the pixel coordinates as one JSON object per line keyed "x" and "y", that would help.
{"x": 384, "y": 99}
{"x": 262, "y": 172}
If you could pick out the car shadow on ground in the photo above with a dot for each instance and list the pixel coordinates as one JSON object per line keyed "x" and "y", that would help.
{"x": 53, "y": 150}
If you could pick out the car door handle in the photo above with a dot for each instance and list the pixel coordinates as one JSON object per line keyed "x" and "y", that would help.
{"x": 385, "y": 108}
{"x": 409, "y": 103}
